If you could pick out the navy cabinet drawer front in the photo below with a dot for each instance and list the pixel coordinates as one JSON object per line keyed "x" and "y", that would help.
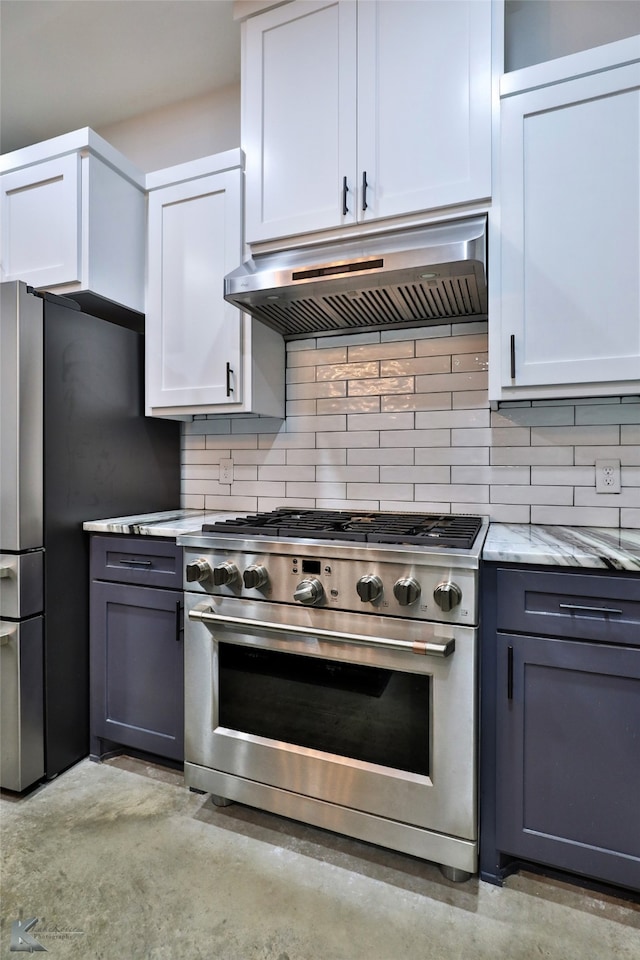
{"x": 573, "y": 605}
{"x": 137, "y": 560}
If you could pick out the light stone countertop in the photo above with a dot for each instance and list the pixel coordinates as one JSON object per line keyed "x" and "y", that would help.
{"x": 605, "y": 548}
{"x": 167, "y": 523}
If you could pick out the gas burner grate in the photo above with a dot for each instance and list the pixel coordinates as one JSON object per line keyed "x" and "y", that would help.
{"x": 431, "y": 530}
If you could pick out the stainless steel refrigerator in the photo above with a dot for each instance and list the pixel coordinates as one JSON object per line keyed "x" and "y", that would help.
{"x": 74, "y": 446}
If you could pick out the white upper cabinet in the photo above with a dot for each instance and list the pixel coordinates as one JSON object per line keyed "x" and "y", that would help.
{"x": 202, "y": 354}
{"x": 73, "y": 219}
{"x": 565, "y": 307}
{"x": 357, "y": 111}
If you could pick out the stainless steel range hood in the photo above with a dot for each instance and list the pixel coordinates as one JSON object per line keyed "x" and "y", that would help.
{"x": 425, "y": 275}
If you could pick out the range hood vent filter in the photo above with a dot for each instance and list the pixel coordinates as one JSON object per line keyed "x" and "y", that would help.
{"x": 422, "y": 276}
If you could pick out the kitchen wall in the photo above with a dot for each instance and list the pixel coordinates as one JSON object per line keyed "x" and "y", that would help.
{"x": 400, "y": 420}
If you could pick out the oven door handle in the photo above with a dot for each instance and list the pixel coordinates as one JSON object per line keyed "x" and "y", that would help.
{"x": 442, "y": 648}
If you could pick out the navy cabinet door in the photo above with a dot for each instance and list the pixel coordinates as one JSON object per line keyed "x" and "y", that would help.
{"x": 137, "y": 667}
{"x": 568, "y": 755}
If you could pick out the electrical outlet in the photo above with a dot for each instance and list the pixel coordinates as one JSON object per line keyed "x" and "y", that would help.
{"x": 226, "y": 471}
{"x": 607, "y": 476}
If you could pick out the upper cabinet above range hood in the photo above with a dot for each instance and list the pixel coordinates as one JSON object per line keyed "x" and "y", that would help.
{"x": 424, "y": 275}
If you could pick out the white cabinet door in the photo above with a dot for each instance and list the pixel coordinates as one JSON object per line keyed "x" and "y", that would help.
{"x": 193, "y": 337}
{"x": 570, "y": 232}
{"x": 356, "y": 111}
{"x": 424, "y": 104}
{"x": 299, "y": 117}
{"x": 41, "y": 207}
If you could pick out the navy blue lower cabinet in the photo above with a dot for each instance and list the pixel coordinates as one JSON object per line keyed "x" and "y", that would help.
{"x": 137, "y": 658}
{"x": 560, "y": 730}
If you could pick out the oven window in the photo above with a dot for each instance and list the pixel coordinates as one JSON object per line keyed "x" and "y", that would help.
{"x": 366, "y": 713}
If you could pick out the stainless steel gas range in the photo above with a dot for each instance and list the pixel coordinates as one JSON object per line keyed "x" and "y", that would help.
{"x": 330, "y": 672}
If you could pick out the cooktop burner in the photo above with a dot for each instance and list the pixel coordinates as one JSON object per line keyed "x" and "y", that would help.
{"x": 364, "y": 527}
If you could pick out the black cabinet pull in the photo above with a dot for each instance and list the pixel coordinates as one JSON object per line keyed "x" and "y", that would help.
{"x": 229, "y": 375}
{"x": 513, "y": 356}
{"x": 364, "y": 189}
{"x": 345, "y": 190}
{"x": 509, "y": 673}
{"x": 179, "y": 626}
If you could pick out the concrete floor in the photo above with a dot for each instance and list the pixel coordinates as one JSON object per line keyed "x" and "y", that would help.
{"x": 119, "y": 861}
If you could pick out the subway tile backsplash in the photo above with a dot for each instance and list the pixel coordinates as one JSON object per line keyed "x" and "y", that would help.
{"x": 400, "y": 420}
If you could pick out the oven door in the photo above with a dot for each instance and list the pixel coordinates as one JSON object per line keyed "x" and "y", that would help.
{"x": 334, "y": 707}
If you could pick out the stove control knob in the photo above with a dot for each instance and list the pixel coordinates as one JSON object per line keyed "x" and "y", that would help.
{"x": 198, "y": 570}
{"x": 309, "y": 592}
{"x": 224, "y": 573}
{"x": 369, "y": 588}
{"x": 255, "y": 577}
{"x": 447, "y": 595}
{"x": 406, "y": 591}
